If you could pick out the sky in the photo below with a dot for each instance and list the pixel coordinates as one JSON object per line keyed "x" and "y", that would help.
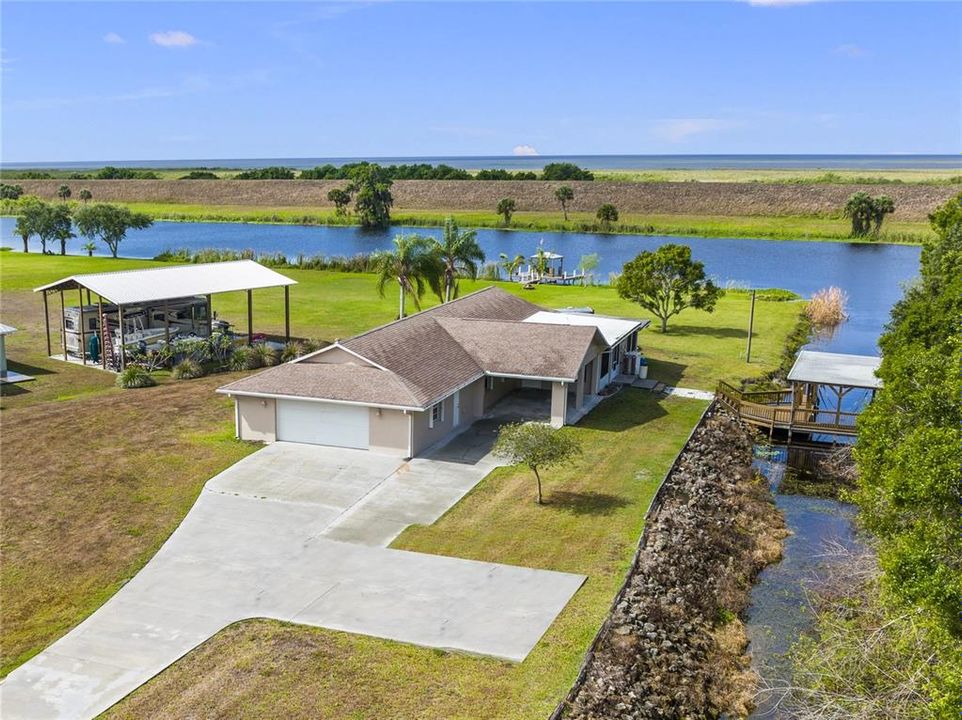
{"x": 169, "y": 80}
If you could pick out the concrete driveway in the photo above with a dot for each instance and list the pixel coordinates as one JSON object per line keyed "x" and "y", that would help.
{"x": 298, "y": 533}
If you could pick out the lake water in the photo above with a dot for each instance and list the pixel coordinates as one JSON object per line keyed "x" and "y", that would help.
{"x": 872, "y": 275}
{"x": 536, "y": 162}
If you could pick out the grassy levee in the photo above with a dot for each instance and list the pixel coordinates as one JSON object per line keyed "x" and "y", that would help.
{"x": 95, "y": 478}
{"x": 774, "y": 227}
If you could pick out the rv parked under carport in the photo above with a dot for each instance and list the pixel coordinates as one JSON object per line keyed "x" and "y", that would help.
{"x": 128, "y": 298}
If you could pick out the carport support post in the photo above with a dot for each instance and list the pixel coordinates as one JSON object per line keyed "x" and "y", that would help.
{"x": 250, "y": 317}
{"x": 83, "y": 328}
{"x": 102, "y": 324}
{"x": 287, "y": 313}
{"x": 122, "y": 360}
{"x": 210, "y": 319}
{"x": 166, "y": 323}
{"x": 46, "y": 322}
{"x": 63, "y": 325}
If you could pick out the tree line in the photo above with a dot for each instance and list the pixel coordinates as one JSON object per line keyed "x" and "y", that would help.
{"x": 53, "y": 223}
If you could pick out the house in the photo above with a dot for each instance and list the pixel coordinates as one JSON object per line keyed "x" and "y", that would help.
{"x": 407, "y": 385}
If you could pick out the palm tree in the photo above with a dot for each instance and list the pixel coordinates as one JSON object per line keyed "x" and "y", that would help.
{"x": 564, "y": 195}
{"x": 86, "y": 195}
{"x": 412, "y": 265}
{"x": 460, "y": 256}
{"x": 511, "y": 265}
{"x": 64, "y": 192}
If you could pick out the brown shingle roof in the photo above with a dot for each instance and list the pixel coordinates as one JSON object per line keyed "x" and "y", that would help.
{"x": 348, "y": 382}
{"x": 428, "y": 356}
{"x": 518, "y": 348}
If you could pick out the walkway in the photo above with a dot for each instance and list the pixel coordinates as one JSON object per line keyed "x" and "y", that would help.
{"x": 264, "y": 540}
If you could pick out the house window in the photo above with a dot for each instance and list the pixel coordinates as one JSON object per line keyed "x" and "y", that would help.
{"x": 437, "y": 414}
{"x": 605, "y": 363}
{"x": 633, "y": 341}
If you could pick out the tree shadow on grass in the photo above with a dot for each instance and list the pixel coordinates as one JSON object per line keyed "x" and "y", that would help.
{"x": 709, "y": 331}
{"x": 585, "y": 503}
{"x": 669, "y": 373}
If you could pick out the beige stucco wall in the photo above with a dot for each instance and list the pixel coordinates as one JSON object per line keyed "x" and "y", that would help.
{"x": 424, "y": 435}
{"x": 390, "y": 431}
{"x": 256, "y": 419}
{"x": 559, "y": 403}
{"x": 502, "y": 386}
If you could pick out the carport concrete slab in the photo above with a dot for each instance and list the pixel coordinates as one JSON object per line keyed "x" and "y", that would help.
{"x": 260, "y": 542}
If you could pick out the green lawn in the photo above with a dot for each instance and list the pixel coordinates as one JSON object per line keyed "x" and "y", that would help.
{"x": 76, "y": 525}
{"x": 777, "y": 227}
{"x": 590, "y": 525}
{"x": 699, "y": 349}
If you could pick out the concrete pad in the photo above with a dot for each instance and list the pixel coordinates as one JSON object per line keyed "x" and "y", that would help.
{"x": 262, "y": 540}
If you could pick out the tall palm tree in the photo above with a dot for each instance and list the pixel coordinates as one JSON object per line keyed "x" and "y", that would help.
{"x": 413, "y": 265}
{"x": 460, "y": 256}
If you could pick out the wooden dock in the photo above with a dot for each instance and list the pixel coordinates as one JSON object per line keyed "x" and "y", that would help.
{"x": 785, "y": 410}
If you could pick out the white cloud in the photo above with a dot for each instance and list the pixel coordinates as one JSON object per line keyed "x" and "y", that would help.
{"x": 850, "y": 50}
{"x": 173, "y": 38}
{"x": 114, "y": 39}
{"x": 524, "y": 150}
{"x": 678, "y": 130}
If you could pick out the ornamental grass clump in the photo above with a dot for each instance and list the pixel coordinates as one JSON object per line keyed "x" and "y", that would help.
{"x": 292, "y": 351}
{"x": 244, "y": 358}
{"x": 188, "y": 369}
{"x": 265, "y": 354}
{"x": 135, "y": 376}
{"x": 826, "y": 309}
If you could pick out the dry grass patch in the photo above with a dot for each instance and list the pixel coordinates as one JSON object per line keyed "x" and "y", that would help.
{"x": 90, "y": 491}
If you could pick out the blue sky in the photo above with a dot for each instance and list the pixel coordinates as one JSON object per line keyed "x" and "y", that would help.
{"x": 127, "y": 81}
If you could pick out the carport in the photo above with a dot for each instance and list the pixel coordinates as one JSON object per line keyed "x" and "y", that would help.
{"x": 117, "y": 299}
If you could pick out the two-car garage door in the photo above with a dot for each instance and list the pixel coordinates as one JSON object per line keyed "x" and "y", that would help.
{"x": 319, "y": 423}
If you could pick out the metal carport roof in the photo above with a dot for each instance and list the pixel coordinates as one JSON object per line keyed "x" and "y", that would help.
{"x": 125, "y": 287}
{"x": 836, "y": 369}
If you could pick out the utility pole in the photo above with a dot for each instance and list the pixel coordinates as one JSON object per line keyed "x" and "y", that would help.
{"x": 751, "y": 326}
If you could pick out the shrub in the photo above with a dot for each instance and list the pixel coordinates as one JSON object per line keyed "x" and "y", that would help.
{"x": 292, "y": 351}
{"x": 565, "y": 171}
{"x": 200, "y": 175}
{"x": 311, "y": 345}
{"x": 134, "y": 376}
{"x": 267, "y": 173}
{"x": 265, "y": 354}
{"x": 244, "y": 359}
{"x": 826, "y": 309}
{"x": 188, "y": 369}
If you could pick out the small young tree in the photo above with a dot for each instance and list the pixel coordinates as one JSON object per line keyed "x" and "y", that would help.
{"x": 64, "y": 193}
{"x": 341, "y": 199}
{"x": 89, "y": 246}
{"x": 537, "y": 446}
{"x": 564, "y": 195}
{"x": 86, "y": 195}
{"x": 506, "y": 208}
{"x": 667, "y": 281}
{"x": 109, "y": 223}
{"x": 607, "y": 214}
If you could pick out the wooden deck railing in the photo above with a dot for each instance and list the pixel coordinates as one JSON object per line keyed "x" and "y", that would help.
{"x": 773, "y": 410}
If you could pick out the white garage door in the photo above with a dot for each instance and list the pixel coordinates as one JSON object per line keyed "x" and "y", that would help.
{"x": 321, "y": 423}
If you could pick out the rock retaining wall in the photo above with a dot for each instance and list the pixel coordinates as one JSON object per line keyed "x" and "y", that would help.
{"x": 673, "y": 646}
